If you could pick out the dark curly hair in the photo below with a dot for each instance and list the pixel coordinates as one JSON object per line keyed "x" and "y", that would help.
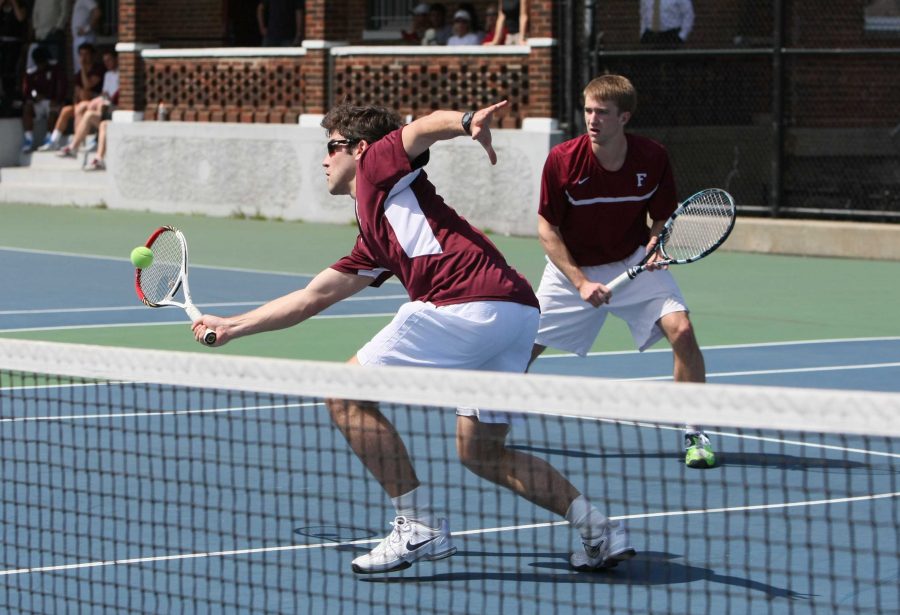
{"x": 361, "y": 123}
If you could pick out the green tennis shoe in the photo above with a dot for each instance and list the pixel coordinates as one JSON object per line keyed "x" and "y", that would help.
{"x": 698, "y": 452}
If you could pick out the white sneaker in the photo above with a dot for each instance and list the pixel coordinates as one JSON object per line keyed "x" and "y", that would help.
{"x": 49, "y": 145}
{"x": 408, "y": 541}
{"x": 604, "y": 552}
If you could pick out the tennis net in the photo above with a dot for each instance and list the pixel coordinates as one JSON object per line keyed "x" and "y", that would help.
{"x": 149, "y": 481}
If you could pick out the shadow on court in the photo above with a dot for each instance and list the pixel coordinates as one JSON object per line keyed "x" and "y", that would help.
{"x": 726, "y": 458}
{"x": 651, "y": 568}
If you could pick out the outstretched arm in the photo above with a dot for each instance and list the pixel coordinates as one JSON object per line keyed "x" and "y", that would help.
{"x": 326, "y": 289}
{"x": 443, "y": 125}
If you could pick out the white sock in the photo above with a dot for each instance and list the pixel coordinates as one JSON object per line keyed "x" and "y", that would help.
{"x": 55, "y": 137}
{"x": 29, "y": 134}
{"x": 585, "y": 518}
{"x": 416, "y": 506}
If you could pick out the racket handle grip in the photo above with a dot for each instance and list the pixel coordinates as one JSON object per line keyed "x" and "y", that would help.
{"x": 626, "y": 275}
{"x": 209, "y": 336}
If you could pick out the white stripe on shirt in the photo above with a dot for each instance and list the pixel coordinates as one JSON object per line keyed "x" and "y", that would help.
{"x": 405, "y": 215}
{"x": 610, "y": 199}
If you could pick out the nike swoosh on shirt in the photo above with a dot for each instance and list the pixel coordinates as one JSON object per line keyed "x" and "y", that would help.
{"x": 412, "y": 547}
{"x": 582, "y": 180}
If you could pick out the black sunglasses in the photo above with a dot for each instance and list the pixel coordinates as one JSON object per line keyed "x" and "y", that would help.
{"x": 334, "y": 144}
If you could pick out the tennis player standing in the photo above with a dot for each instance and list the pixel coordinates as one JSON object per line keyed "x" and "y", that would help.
{"x": 597, "y": 191}
{"x": 468, "y": 309}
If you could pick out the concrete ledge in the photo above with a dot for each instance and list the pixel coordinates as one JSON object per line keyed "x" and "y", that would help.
{"x": 816, "y": 238}
{"x": 10, "y": 141}
{"x": 275, "y": 171}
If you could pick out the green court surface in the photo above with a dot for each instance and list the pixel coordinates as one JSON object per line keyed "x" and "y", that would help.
{"x": 735, "y": 298}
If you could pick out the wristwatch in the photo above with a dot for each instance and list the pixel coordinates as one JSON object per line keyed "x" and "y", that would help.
{"x": 467, "y": 121}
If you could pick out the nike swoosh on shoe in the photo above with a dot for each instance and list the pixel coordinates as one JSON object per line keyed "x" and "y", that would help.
{"x": 413, "y": 547}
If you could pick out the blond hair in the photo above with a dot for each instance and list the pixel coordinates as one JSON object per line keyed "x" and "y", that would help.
{"x": 615, "y": 88}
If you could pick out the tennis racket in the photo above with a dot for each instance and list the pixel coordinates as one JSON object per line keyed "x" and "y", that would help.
{"x": 157, "y": 284}
{"x": 700, "y": 225}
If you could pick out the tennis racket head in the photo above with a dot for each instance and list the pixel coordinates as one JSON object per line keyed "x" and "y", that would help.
{"x": 157, "y": 284}
{"x": 700, "y": 225}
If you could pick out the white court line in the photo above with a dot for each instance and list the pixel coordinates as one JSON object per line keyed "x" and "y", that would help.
{"x": 125, "y": 260}
{"x": 177, "y": 322}
{"x": 75, "y": 417}
{"x": 845, "y": 340}
{"x": 125, "y": 308}
{"x": 787, "y": 370}
{"x": 113, "y": 415}
{"x": 192, "y": 265}
{"x": 495, "y": 530}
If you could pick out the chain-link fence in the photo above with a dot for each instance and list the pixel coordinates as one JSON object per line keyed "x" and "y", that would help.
{"x": 793, "y": 106}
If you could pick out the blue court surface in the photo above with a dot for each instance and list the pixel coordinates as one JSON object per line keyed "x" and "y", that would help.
{"x": 256, "y": 504}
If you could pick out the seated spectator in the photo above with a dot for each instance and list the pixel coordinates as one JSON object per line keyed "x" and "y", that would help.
{"x": 13, "y": 30}
{"x": 89, "y": 78}
{"x": 475, "y": 24}
{"x": 439, "y": 31}
{"x": 89, "y": 122}
{"x": 492, "y": 36}
{"x": 420, "y": 22}
{"x": 462, "y": 30}
{"x": 98, "y": 162}
{"x": 109, "y": 97}
{"x": 44, "y": 91}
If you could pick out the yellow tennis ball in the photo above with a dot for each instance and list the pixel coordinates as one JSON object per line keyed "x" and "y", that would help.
{"x": 141, "y": 257}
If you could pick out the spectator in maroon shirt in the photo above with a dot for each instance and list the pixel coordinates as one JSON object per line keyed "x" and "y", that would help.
{"x": 89, "y": 78}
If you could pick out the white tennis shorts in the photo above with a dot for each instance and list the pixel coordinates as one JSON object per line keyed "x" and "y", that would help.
{"x": 570, "y": 323}
{"x": 482, "y": 335}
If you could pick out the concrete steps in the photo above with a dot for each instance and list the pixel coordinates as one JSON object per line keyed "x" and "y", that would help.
{"x": 46, "y": 179}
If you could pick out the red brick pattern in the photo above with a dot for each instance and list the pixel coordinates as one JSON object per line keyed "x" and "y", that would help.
{"x": 417, "y": 85}
{"x": 226, "y": 89}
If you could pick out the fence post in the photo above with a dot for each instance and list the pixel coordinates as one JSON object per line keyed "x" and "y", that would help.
{"x": 776, "y": 191}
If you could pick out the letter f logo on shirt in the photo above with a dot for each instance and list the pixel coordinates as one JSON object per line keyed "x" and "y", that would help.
{"x": 640, "y": 179}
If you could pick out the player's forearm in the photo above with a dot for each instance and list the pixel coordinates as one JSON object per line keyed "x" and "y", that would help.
{"x": 556, "y": 250}
{"x": 437, "y": 126}
{"x": 281, "y": 313}
{"x": 326, "y": 289}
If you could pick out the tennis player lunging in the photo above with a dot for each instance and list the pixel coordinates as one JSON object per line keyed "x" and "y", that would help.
{"x": 468, "y": 309}
{"x": 596, "y": 193}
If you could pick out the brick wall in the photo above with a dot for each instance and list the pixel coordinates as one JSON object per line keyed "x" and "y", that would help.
{"x": 417, "y": 85}
{"x": 198, "y": 23}
{"x": 227, "y": 89}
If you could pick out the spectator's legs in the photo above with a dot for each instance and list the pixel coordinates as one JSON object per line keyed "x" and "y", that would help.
{"x": 101, "y": 140}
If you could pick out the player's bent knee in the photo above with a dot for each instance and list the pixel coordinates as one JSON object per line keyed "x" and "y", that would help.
{"x": 680, "y": 332}
{"x": 481, "y": 456}
{"x": 343, "y": 410}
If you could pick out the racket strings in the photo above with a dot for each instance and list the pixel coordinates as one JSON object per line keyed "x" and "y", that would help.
{"x": 160, "y": 280}
{"x": 700, "y": 227}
